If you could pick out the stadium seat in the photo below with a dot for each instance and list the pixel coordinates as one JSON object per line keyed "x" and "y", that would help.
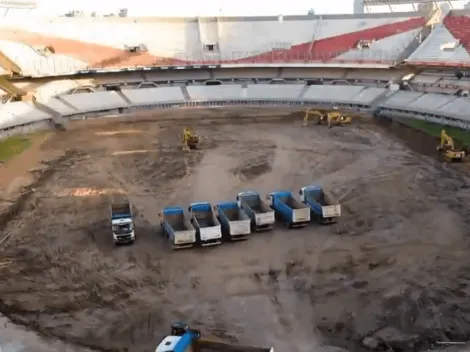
{"x": 330, "y": 46}
{"x": 459, "y": 27}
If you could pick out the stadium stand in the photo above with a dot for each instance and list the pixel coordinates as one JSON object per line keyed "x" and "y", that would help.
{"x": 274, "y": 92}
{"x": 366, "y": 62}
{"x": 21, "y": 117}
{"x": 216, "y": 93}
{"x": 70, "y": 44}
{"x": 152, "y": 96}
{"x": 448, "y": 44}
{"x": 332, "y": 93}
{"x": 448, "y": 109}
{"x": 39, "y": 62}
{"x": 95, "y": 101}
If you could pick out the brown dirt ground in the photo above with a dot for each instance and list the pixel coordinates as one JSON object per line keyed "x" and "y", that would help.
{"x": 392, "y": 272}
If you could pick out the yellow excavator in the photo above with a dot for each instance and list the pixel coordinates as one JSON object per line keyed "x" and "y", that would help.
{"x": 447, "y": 148}
{"x": 332, "y": 118}
{"x": 190, "y": 140}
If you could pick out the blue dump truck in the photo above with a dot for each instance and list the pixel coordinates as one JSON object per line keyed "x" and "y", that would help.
{"x": 122, "y": 223}
{"x": 289, "y": 209}
{"x": 177, "y": 228}
{"x": 234, "y": 221}
{"x": 261, "y": 215}
{"x": 323, "y": 206}
{"x": 185, "y": 339}
{"x": 208, "y": 229}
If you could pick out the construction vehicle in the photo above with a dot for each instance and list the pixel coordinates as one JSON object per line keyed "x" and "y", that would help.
{"x": 234, "y": 221}
{"x": 447, "y": 148}
{"x": 185, "y": 339}
{"x": 332, "y": 118}
{"x": 122, "y": 223}
{"x": 289, "y": 209}
{"x": 322, "y": 205}
{"x": 190, "y": 140}
{"x": 320, "y": 117}
{"x": 208, "y": 229}
{"x": 261, "y": 215}
{"x": 177, "y": 228}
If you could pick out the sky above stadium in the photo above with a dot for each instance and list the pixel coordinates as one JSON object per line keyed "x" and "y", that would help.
{"x": 209, "y": 7}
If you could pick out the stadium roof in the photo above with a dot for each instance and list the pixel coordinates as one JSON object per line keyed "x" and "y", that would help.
{"x": 398, "y": 2}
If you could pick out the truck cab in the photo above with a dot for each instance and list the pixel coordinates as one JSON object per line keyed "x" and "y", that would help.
{"x": 180, "y": 340}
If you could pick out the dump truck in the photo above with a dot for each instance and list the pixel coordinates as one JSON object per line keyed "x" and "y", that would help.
{"x": 185, "y": 339}
{"x": 322, "y": 205}
{"x": 292, "y": 212}
{"x": 261, "y": 215}
{"x": 177, "y": 228}
{"x": 208, "y": 229}
{"x": 122, "y": 223}
{"x": 234, "y": 221}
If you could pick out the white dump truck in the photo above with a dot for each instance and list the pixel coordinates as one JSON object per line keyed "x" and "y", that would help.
{"x": 261, "y": 215}
{"x": 177, "y": 228}
{"x": 234, "y": 221}
{"x": 208, "y": 229}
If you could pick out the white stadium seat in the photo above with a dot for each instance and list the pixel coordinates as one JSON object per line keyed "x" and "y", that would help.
{"x": 97, "y": 101}
{"x": 149, "y": 96}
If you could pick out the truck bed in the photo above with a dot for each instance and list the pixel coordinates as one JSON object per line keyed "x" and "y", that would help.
{"x": 176, "y": 222}
{"x": 119, "y": 209}
{"x": 206, "y": 222}
{"x": 232, "y": 214}
{"x": 322, "y": 198}
{"x": 259, "y": 208}
{"x": 292, "y": 202}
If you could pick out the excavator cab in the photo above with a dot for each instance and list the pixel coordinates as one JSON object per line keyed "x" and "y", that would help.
{"x": 190, "y": 140}
{"x": 447, "y": 148}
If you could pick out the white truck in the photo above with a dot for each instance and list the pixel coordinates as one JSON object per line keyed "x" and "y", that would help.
{"x": 208, "y": 229}
{"x": 178, "y": 230}
{"x": 261, "y": 215}
{"x": 122, "y": 223}
{"x": 234, "y": 221}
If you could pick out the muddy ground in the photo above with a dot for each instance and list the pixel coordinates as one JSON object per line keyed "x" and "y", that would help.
{"x": 392, "y": 274}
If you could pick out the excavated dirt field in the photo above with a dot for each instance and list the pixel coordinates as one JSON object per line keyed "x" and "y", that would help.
{"x": 393, "y": 274}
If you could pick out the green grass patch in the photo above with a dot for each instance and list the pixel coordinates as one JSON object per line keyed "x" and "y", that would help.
{"x": 434, "y": 129}
{"x": 12, "y": 146}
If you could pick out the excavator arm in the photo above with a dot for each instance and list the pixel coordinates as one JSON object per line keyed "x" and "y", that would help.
{"x": 446, "y": 141}
{"x": 309, "y": 113}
